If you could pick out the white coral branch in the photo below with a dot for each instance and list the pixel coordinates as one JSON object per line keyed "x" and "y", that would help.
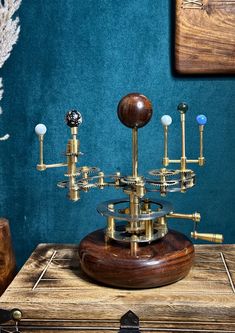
{"x": 9, "y": 33}
{"x": 5, "y": 137}
{"x": 9, "y": 28}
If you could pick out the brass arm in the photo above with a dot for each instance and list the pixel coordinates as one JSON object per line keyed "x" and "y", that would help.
{"x": 201, "y": 120}
{"x": 196, "y": 217}
{"x": 40, "y": 130}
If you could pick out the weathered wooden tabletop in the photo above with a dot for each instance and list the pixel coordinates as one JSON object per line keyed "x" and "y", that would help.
{"x": 51, "y": 290}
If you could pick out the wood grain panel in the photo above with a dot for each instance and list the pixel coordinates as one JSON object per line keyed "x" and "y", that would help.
{"x": 205, "y": 37}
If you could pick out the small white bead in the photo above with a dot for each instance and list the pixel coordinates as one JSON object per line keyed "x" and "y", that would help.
{"x": 40, "y": 129}
{"x": 166, "y": 120}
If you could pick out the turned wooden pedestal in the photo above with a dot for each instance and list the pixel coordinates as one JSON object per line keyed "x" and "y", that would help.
{"x": 7, "y": 258}
{"x": 162, "y": 262}
{"x": 55, "y": 295}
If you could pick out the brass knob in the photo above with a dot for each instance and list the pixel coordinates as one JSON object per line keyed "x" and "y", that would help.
{"x": 16, "y": 315}
{"x": 215, "y": 238}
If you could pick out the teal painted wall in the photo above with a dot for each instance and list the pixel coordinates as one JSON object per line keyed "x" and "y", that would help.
{"x": 87, "y": 55}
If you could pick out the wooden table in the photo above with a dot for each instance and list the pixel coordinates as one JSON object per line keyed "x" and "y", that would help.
{"x": 53, "y": 293}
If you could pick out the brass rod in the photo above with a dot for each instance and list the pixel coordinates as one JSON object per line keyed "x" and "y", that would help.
{"x": 165, "y": 141}
{"x": 201, "y": 128}
{"x": 194, "y": 217}
{"x": 134, "y": 209}
{"x": 135, "y": 152}
{"x": 192, "y": 161}
{"x": 41, "y": 148}
{"x": 134, "y": 205}
{"x": 111, "y": 223}
{"x": 179, "y": 161}
{"x": 182, "y": 116}
{"x": 134, "y": 245}
{"x": 57, "y": 165}
{"x": 174, "y": 161}
{"x": 149, "y": 229}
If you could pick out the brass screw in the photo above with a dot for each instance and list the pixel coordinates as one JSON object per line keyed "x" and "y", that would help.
{"x": 16, "y": 315}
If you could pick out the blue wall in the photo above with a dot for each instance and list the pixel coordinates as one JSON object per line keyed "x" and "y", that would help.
{"x": 87, "y": 55}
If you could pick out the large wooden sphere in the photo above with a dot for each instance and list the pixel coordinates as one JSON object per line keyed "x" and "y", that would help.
{"x": 134, "y": 110}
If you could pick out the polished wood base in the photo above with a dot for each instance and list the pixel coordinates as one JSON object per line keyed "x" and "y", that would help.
{"x": 162, "y": 262}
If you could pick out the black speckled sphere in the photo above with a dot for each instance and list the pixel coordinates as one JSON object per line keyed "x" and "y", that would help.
{"x": 73, "y": 118}
{"x": 134, "y": 110}
{"x": 182, "y": 107}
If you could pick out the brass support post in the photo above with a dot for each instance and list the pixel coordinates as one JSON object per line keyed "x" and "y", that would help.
{"x": 201, "y": 159}
{"x": 111, "y": 223}
{"x": 134, "y": 200}
{"x": 149, "y": 229}
{"x": 183, "y": 158}
{"x": 41, "y": 166}
{"x": 165, "y": 161}
{"x": 134, "y": 245}
{"x": 72, "y": 151}
{"x": 134, "y": 209}
{"x": 41, "y": 148}
{"x": 135, "y": 152}
{"x": 162, "y": 220}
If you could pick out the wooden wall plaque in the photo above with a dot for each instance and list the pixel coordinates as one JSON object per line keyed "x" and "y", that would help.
{"x": 205, "y": 37}
{"x": 53, "y": 294}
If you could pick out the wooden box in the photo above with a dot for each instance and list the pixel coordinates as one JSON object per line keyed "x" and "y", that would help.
{"x": 205, "y": 37}
{"x": 54, "y": 295}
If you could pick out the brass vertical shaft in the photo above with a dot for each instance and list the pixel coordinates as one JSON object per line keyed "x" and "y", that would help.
{"x": 165, "y": 142}
{"x": 182, "y": 117}
{"x": 135, "y": 152}
{"x": 134, "y": 209}
{"x": 111, "y": 222}
{"x": 134, "y": 204}
{"x": 165, "y": 160}
{"x": 149, "y": 229}
{"x": 72, "y": 151}
{"x": 134, "y": 200}
{"x": 183, "y": 158}
{"x": 201, "y": 159}
{"x": 41, "y": 137}
{"x": 201, "y": 131}
{"x": 134, "y": 245}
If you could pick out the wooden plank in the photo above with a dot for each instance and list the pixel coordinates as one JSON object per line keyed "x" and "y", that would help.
{"x": 205, "y": 36}
{"x": 51, "y": 287}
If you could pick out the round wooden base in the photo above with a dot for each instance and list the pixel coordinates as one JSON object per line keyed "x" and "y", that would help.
{"x": 162, "y": 262}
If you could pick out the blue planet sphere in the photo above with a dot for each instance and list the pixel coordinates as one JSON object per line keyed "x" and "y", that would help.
{"x": 201, "y": 119}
